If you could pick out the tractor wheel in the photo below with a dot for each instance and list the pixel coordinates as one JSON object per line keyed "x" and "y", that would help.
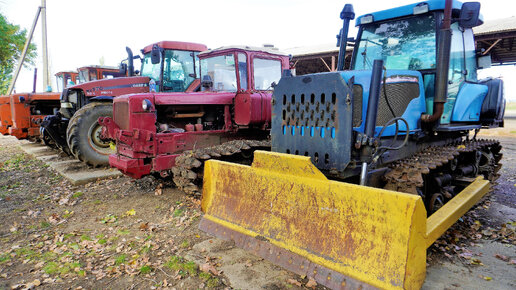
{"x": 83, "y": 134}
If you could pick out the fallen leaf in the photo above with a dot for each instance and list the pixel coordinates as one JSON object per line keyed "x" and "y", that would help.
{"x": 144, "y": 226}
{"x": 130, "y": 212}
{"x": 502, "y": 257}
{"x": 512, "y": 262}
{"x": 488, "y": 278}
{"x": 476, "y": 262}
{"x": 294, "y": 282}
{"x": 311, "y": 283}
{"x": 208, "y": 268}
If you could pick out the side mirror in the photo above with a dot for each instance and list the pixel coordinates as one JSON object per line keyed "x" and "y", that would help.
{"x": 123, "y": 68}
{"x": 155, "y": 54}
{"x": 469, "y": 15}
{"x": 484, "y": 61}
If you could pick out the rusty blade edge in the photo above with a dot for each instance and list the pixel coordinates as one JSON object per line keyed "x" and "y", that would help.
{"x": 284, "y": 258}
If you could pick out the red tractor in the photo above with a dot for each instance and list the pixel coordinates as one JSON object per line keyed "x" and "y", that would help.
{"x": 170, "y": 66}
{"x": 230, "y": 115}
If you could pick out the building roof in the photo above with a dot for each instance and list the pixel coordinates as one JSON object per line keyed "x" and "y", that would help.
{"x": 496, "y": 26}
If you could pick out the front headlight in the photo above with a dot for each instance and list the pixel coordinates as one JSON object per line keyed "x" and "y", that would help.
{"x": 146, "y": 105}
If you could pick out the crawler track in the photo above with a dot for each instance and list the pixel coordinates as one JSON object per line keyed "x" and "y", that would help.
{"x": 188, "y": 171}
{"x": 439, "y": 172}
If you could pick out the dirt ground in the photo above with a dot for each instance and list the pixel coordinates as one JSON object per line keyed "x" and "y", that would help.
{"x": 125, "y": 234}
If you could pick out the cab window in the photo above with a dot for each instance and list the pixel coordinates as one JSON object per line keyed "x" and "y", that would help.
{"x": 266, "y": 71}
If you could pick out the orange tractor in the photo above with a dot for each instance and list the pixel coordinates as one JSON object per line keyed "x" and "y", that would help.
{"x": 22, "y": 113}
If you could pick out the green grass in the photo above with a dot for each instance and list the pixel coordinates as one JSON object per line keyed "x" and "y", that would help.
{"x": 120, "y": 259}
{"x": 178, "y": 213}
{"x": 145, "y": 270}
{"x": 77, "y": 194}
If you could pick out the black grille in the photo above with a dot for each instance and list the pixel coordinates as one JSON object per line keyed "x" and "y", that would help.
{"x": 357, "y": 105}
{"x": 399, "y": 95}
{"x": 121, "y": 115}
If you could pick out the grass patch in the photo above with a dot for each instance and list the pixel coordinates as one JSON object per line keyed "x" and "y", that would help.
{"x": 209, "y": 280}
{"x": 102, "y": 241}
{"x": 145, "y": 270}
{"x": 5, "y": 258}
{"x": 51, "y": 268}
{"x": 120, "y": 259}
{"x": 176, "y": 263}
{"x": 178, "y": 213}
{"x": 44, "y": 224}
{"x": 185, "y": 244}
{"x": 77, "y": 194}
{"x": 85, "y": 238}
{"x": 123, "y": 232}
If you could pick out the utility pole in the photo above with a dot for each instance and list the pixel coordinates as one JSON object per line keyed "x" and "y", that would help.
{"x": 46, "y": 78}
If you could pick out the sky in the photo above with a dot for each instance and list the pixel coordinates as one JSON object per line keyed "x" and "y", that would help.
{"x": 82, "y": 33}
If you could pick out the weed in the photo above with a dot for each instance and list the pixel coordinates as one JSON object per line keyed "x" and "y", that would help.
{"x": 148, "y": 237}
{"x": 120, "y": 259}
{"x": 101, "y": 241}
{"x": 77, "y": 194}
{"x": 178, "y": 213}
{"x": 4, "y": 258}
{"x": 123, "y": 232}
{"x": 51, "y": 268}
{"x": 44, "y": 224}
{"x": 174, "y": 263}
{"x": 109, "y": 218}
{"x": 185, "y": 244}
{"x": 145, "y": 269}
{"x": 85, "y": 238}
{"x": 190, "y": 268}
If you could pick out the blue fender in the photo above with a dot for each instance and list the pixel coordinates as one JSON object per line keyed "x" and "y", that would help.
{"x": 469, "y": 102}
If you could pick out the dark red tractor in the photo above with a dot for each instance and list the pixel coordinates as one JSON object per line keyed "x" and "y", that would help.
{"x": 169, "y": 66}
{"x": 228, "y": 119}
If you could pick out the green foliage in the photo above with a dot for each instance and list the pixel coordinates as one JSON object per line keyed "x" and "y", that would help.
{"x": 12, "y": 41}
{"x": 120, "y": 259}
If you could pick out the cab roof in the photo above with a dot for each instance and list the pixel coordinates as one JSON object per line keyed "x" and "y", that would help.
{"x": 407, "y": 10}
{"x": 270, "y": 50}
{"x": 176, "y": 45}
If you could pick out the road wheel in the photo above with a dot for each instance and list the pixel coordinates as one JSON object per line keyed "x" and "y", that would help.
{"x": 83, "y": 134}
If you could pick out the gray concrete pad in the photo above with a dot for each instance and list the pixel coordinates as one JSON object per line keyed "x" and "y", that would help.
{"x": 74, "y": 170}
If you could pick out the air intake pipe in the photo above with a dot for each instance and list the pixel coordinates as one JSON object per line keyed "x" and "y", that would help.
{"x": 347, "y": 15}
{"x": 443, "y": 65}
{"x": 130, "y": 64}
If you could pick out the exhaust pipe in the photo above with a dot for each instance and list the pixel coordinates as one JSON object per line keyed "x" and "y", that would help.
{"x": 347, "y": 15}
{"x": 130, "y": 65}
{"x": 443, "y": 65}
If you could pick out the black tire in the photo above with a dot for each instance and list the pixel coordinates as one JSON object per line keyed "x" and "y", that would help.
{"x": 82, "y": 134}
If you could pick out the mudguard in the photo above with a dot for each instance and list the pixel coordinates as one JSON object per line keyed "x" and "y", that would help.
{"x": 343, "y": 235}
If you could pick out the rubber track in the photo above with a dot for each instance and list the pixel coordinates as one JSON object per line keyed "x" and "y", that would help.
{"x": 188, "y": 171}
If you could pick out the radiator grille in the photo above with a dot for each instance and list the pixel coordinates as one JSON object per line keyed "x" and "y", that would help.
{"x": 400, "y": 95}
{"x": 121, "y": 115}
{"x": 357, "y": 105}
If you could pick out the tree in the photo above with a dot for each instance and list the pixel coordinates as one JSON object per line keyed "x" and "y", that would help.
{"x": 12, "y": 41}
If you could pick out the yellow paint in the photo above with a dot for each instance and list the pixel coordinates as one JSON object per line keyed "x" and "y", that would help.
{"x": 447, "y": 215}
{"x": 370, "y": 234}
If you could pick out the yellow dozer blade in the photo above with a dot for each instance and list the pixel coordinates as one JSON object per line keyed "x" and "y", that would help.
{"x": 343, "y": 235}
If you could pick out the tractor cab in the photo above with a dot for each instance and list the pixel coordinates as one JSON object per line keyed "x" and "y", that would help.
{"x": 172, "y": 66}
{"x": 65, "y": 79}
{"x": 97, "y": 72}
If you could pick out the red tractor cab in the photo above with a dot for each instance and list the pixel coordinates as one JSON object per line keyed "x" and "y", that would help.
{"x": 167, "y": 66}
{"x": 152, "y": 129}
{"x": 65, "y": 79}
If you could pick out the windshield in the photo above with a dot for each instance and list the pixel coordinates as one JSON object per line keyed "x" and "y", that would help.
{"x": 221, "y": 71}
{"x": 402, "y": 44}
{"x": 83, "y": 76}
{"x": 59, "y": 80}
{"x": 178, "y": 70}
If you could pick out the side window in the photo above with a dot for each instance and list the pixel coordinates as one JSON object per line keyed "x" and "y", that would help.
{"x": 266, "y": 71}
{"x": 471, "y": 59}
{"x": 242, "y": 70}
{"x": 93, "y": 75}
